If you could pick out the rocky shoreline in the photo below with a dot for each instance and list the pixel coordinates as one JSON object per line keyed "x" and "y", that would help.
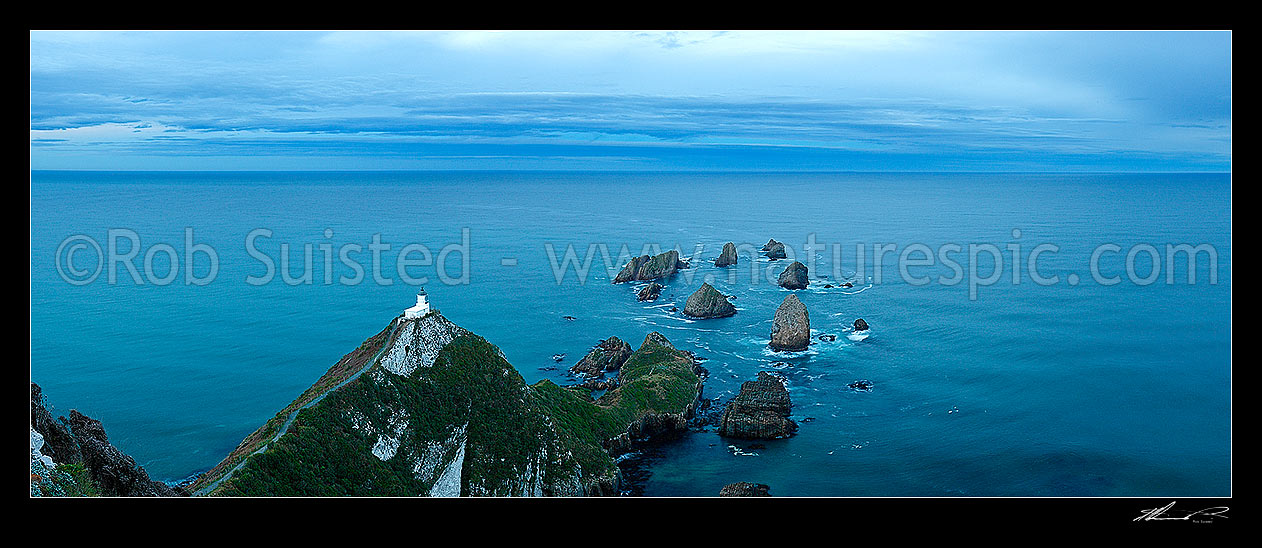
{"x": 566, "y": 419}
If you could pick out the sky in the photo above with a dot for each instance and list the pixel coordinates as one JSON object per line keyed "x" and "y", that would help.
{"x": 628, "y": 100}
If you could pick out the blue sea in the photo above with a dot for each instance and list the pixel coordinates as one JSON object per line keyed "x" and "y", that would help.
{"x": 1005, "y": 389}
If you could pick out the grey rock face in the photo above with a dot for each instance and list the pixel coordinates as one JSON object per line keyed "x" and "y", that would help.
{"x": 759, "y": 411}
{"x": 770, "y": 243}
{"x": 116, "y": 473}
{"x": 791, "y": 327}
{"x": 745, "y": 489}
{"x": 707, "y": 302}
{"x": 794, "y": 276}
{"x": 649, "y": 292}
{"x": 645, "y": 267}
{"x": 608, "y": 355}
{"x": 58, "y": 443}
{"x": 728, "y": 256}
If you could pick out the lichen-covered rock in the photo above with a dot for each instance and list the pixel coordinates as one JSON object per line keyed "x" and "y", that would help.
{"x": 728, "y": 256}
{"x": 794, "y": 276}
{"x": 649, "y": 292}
{"x": 791, "y": 327}
{"x": 608, "y": 355}
{"x": 707, "y": 302}
{"x": 647, "y": 267}
{"x": 759, "y": 411}
{"x": 745, "y": 489}
{"x": 860, "y": 325}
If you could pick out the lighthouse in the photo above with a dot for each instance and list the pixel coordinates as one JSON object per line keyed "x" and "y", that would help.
{"x": 421, "y": 307}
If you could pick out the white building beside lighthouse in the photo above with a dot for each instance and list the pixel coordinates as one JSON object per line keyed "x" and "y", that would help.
{"x": 421, "y": 307}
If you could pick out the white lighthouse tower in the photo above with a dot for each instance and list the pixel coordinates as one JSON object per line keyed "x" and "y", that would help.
{"x": 421, "y": 307}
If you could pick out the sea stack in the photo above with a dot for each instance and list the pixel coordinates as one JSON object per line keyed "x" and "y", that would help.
{"x": 860, "y": 325}
{"x": 760, "y": 411}
{"x": 791, "y": 327}
{"x": 649, "y": 292}
{"x": 794, "y": 276}
{"x": 707, "y": 302}
{"x": 647, "y": 267}
{"x": 728, "y": 256}
{"x": 775, "y": 250}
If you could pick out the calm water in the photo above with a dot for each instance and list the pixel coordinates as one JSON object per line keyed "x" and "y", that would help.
{"x": 1027, "y": 390}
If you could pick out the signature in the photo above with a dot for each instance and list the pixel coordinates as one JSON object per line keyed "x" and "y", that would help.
{"x": 1199, "y": 516}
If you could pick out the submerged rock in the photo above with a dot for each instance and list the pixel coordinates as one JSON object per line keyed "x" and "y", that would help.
{"x": 860, "y": 325}
{"x": 728, "y": 256}
{"x": 608, "y": 355}
{"x": 861, "y": 386}
{"x": 649, "y": 292}
{"x": 828, "y": 337}
{"x": 645, "y": 267}
{"x": 745, "y": 489}
{"x": 794, "y": 276}
{"x": 759, "y": 411}
{"x": 791, "y": 327}
{"x": 707, "y": 302}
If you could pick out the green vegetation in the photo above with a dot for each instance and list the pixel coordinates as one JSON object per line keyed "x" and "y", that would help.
{"x": 342, "y": 370}
{"x": 519, "y": 439}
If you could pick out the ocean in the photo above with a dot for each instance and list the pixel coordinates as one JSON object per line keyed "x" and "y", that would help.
{"x": 990, "y": 388}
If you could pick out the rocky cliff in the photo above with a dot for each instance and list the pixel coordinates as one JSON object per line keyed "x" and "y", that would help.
{"x": 794, "y": 276}
{"x": 607, "y": 356}
{"x": 791, "y": 326}
{"x": 728, "y": 256}
{"x": 427, "y": 408}
{"x": 759, "y": 411}
{"x": 73, "y": 457}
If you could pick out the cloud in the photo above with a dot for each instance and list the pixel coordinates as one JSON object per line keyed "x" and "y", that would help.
{"x": 926, "y": 95}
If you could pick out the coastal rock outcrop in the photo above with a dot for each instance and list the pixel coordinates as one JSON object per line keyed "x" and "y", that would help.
{"x": 860, "y": 325}
{"x": 95, "y": 467}
{"x": 770, "y": 243}
{"x": 794, "y": 276}
{"x": 707, "y": 302}
{"x": 728, "y": 256}
{"x": 775, "y": 250}
{"x": 116, "y": 473}
{"x": 58, "y": 442}
{"x": 745, "y": 489}
{"x": 759, "y": 411}
{"x": 606, "y": 356}
{"x": 647, "y": 267}
{"x": 791, "y": 327}
{"x": 467, "y": 424}
{"x": 649, "y": 292}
